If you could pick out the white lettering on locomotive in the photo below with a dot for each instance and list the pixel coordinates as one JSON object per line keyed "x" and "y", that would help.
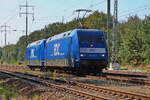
{"x": 56, "y": 50}
{"x": 32, "y": 53}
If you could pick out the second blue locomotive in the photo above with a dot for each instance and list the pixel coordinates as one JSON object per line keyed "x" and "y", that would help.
{"x": 79, "y": 49}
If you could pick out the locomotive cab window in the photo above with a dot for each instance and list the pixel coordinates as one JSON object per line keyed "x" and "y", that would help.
{"x": 90, "y": 39}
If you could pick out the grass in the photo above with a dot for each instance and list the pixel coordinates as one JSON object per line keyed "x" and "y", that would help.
{"x": 36, "y": 97}
{"x": 49, "y": 74}
{"x": 146, "y": 70}
{"x": 56, "y": 75}
{"x": 8, "y": 92}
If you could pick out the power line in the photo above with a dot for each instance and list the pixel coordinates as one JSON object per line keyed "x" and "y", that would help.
{"x": 9, "y": 17}
{"x": 26, "y": 6}
{"x": 96, "y": 4}
{"x": 137, "y": 10}
{"x": 4, "y": 29}
{"x": 14, "y": 16}
{"x": 92, "y": 5}
{"x": 133, "y": 10}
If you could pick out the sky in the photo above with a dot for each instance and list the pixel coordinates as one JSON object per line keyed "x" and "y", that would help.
{"x": 49, "y": 11}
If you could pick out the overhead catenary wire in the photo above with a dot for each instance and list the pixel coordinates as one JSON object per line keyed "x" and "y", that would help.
{"x": 9, "y": 17}
{"x": 90, "y": 6}
{"x": 96, "y": 4}
{"x": 122, "y": 14}
{"x": 137, "y": 10}
{"x": 12, "y": 20}
{"x": 134, "y": 8}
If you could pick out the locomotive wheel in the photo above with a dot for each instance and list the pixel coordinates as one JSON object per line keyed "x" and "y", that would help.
{"x": 32, "y": 68}
{"x": 43, "y": 68}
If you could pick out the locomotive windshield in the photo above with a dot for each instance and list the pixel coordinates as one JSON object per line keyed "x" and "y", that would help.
{"x": 90, "y": 39}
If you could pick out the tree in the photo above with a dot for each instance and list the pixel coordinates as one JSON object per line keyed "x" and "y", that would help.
{"x": 131, "y": 41}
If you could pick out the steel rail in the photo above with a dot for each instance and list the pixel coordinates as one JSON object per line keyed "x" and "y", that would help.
{"x": 59, "y": 87}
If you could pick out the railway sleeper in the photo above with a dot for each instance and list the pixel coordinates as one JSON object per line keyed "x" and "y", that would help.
{"x": 73, "y": 91}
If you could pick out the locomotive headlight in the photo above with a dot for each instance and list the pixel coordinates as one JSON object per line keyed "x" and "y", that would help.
{"x": 103, "y": 55}
{"x": 81, "y": 55}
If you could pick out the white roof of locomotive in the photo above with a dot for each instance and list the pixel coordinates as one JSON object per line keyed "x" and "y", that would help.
{"x": 35, "y": 43}
{"x": 59, "y": 36}
{"x": 67, "y": 34}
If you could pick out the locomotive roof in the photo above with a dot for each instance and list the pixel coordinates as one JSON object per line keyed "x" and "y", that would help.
{"x": 67, "y": 34}
{"x": 61, "y": 35}
{"x": 58, "y": 36}
{"x": 35, "y": 43}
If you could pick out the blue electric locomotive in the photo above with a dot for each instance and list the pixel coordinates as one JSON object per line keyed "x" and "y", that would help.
{"x": 81, "y": 49}
{"x": 35, "y": 54}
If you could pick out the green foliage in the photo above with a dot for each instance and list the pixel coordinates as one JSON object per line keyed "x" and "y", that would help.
{"x": 97, "y": 21}
{"x": 5, "y": 94}
{"x": 16, "y": 53}
{"x": 145, "y": 28}
{"x": 133, "y": 38}
{"x": 135, "y": 41}
{"x": 36, "y": 97}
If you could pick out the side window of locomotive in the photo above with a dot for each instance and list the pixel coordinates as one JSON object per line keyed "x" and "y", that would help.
{"x": 69, "y": 34}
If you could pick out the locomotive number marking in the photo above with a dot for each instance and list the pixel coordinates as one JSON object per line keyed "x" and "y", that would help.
{"x": 32, "y": 53}
{"x": 56, "y": 50}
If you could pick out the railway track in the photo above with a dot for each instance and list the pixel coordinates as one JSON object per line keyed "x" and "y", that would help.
{"x": 35, "y": 79}
{"x": 114, "y": 77}
{"x": 135, "y": 79}
{"x": 128, "y": 73}
{"x": 127, "y": 80}
{"x": 79, "y": 89}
